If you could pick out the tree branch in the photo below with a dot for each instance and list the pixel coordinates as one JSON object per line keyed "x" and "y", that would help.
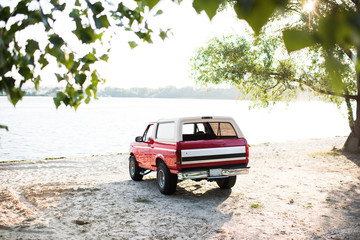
{"x": 327, "y": 92}
{"x": 350, "y": 112}
{"x": 348, "y": 52}
{"x": 356, "y": 2}
{"x": 322, "y": 91}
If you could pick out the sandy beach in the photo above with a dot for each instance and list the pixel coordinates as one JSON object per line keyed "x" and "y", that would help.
{"x": 295, "y": 190}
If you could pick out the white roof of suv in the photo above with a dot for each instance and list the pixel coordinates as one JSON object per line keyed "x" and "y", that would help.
{"x": 181, "y": 120}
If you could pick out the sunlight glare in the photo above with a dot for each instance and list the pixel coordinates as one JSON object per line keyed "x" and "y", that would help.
{"x": 309, "y": 6}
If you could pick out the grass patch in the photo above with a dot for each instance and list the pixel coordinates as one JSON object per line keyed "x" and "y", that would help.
{"x": 142, "y": 200}
{"x": 256, "y": 205}
{"x": 54, "y": 158}
{"x": 335, "y": 152}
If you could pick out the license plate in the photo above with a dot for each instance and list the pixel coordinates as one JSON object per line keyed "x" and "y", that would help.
{"x": 215, "y": 172}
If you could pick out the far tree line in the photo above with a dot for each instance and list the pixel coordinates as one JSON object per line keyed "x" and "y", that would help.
{"x": 143, "y": 92}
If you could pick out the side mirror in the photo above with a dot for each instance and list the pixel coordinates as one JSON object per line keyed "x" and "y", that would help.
{"x": 138, "y": 139}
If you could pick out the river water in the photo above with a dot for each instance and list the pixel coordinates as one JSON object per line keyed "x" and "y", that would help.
{"x": 106, "y": 126}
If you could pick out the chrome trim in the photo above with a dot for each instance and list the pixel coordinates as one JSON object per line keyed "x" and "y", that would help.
{"x": 165, "y": 149}
{"x": 233, "y": 172}
{"x": 192, "y": 175}
{"x": 205, "y": 173}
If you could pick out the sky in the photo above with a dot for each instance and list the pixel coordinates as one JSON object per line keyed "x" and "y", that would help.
{"x": 166, "y": 63}
{"x": 163, "y": 63}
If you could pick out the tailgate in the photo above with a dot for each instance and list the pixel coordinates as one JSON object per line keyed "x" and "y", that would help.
{"x": 207, "y": 153}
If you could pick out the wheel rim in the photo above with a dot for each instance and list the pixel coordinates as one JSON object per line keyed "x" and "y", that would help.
{"x": 161, "y": 178}
{"x": 132, "y": 167}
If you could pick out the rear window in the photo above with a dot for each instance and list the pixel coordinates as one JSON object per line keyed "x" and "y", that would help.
{"x": 223, "y": 129}
{"x": 207, "y": 130}
{"x": 166, "y": 131}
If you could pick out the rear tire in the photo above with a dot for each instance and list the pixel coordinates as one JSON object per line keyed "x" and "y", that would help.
{"x": 134, "y": 169}
{"x": 226, "y": 183}
{"x": 166, "y": 180}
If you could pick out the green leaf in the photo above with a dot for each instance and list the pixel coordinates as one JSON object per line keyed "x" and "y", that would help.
{"x": 132, "y": 44}
{"x": 335, "y": 68}
{"x": 209, "y": 6}
{"x": 57, "y": 6}
{"x": 104, "y": 57}
{"x": 57, "y": 102}
{"x": 59, "y": 77}
{"x": 296, "y": 39}
{"x": 159, "y": 12}
{"x": 74, "y": 67}
{"x": 25, "y": 72}
{"x": 31, "y": 46}
{"x": 69, "y": 61}
{"x": 42, "y": 60}
{"x": 101, "y": 22}
{"x": 4, "y": 127}
{"x": 56, "y": 40}
{"x": 44, "y": 19}
{"x": 94, "y": 78}
{"x": 61, "y": 97}
{"x": 163, "y": 34}
{"x": 21, "y": 8}
{"x": 16, "y": 94}
{"x": 37, "y": 81}
{"x": 96, "y": 8}
{"x": 88, "y": 58}
{"x": 257, "y": 12}
{"x": 151, "y": 3}
{"x": 87, "y": 34}
{"x": 75, "y": 14}
{"x": 4, "y": 13}
{"x": 80, "y": 78}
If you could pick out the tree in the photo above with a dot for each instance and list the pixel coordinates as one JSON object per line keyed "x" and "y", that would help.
{"x": 261, "y": 69}
{"x": 72, "y": 53}
{"x": 328, "y": 34}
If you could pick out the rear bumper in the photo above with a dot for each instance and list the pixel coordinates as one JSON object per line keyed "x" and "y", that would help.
{"x": 206, "y": 173}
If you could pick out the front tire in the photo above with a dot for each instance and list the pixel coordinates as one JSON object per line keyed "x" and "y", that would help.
{"x": 134, "y": 169}
{"x": 166, "y": 180}
{"x": 226, "y": 183}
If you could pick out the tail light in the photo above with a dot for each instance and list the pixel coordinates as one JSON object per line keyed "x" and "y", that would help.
{"x": 177, "y": 157}
{"x": 247, "y": 151}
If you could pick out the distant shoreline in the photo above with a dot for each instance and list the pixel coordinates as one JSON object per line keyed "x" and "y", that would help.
{"x": 165, "y": 92}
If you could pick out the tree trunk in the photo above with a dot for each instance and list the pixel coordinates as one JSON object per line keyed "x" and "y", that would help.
{"x": 352, "y": 143}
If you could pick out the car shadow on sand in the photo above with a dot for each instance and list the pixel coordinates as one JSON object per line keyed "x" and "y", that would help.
{"x": 128, "y": 209}
{"x": 123, "y": 210}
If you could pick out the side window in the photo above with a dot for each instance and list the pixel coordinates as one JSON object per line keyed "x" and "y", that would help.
{"x": 188, "y": 128}
{"x": 148, "y": 132}
{"x": 166, "y": 131}
{"x": 193, "y": 128}
{"x": 199, "y": 128}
